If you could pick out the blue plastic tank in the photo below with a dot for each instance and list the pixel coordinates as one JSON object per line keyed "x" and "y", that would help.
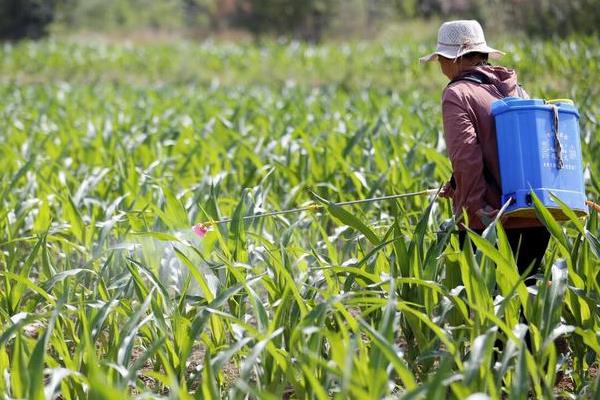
{"x": 530, "y": 159}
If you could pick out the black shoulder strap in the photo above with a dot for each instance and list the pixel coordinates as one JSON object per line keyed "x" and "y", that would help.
{"x": 479, "y": 78}
{"x": 472, "y": 76}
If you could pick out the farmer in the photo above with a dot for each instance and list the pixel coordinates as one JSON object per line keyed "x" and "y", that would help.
{"x": 470, "y": 136}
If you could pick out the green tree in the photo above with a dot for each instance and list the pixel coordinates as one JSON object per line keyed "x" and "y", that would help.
{"x": 545, "y": 18}
{"x": 557, "y": 17}
{"x": 305, "y": 19}
{"x": 21, "y": 19}
{"x": 203, "y": 14}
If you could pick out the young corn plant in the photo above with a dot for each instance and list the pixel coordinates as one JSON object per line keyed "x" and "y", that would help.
{"x": 109, "y": 153}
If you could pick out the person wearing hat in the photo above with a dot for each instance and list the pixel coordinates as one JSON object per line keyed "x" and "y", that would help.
{"x": 470, "y": 136}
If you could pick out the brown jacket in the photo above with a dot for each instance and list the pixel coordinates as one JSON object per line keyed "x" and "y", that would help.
{"x": 470, "y": 137}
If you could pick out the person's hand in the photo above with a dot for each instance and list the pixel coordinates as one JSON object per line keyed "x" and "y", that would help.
{"x": 488, "y": 214}
{"x": 447, "y": 191}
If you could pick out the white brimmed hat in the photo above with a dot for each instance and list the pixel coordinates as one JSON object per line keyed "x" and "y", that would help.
{"x": 457, "y": 38}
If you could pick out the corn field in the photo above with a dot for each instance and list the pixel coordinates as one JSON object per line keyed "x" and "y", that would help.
{"x": 109, "y": 153}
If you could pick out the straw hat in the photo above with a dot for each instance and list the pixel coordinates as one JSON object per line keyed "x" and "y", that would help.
{"x": 456, "y": 38}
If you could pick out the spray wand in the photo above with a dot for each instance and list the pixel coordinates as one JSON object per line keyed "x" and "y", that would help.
{"x": 201, "y": 228}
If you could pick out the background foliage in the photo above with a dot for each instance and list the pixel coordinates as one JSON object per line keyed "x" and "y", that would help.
{"x": 309, "y": 20}
{"x": 25, "y": 18}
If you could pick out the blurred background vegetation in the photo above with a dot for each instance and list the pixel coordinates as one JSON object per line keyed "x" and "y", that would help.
{"x": 310, "y": 20}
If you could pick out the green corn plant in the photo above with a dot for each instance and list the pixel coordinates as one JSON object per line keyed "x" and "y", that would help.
{"x": 109, "y": 152}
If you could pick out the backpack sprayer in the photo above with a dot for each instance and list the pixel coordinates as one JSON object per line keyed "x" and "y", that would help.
{"x": 539, "y": 150}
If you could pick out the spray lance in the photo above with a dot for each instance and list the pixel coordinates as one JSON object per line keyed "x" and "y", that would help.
{"x": 202, "y": 228}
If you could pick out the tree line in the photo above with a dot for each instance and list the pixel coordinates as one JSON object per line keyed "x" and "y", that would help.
{"x": 302, "y": 19}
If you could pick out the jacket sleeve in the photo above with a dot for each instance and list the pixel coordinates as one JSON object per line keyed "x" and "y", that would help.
{"x": 465, "y": 153}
